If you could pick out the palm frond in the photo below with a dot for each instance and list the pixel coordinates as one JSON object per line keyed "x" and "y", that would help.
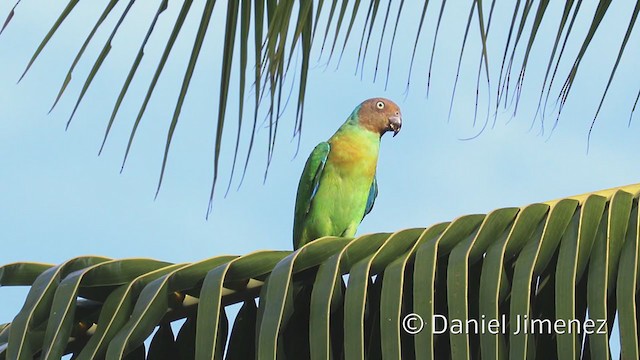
{"x": 281, "y": 33}
{"x": 567, "y": 262}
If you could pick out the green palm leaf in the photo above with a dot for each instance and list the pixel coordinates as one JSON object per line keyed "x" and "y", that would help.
{"x": 284, "y": 30}
{"x": 573, "y": 261}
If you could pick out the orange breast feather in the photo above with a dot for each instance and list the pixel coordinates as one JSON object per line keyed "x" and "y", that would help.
{"x": 352, "y": 156}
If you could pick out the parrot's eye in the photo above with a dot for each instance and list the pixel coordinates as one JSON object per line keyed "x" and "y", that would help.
{"x": 380, "y": 105}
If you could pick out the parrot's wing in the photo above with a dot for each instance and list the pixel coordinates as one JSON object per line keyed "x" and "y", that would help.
{"x": 373, "y": 193}
{"x": 308, "y": 186}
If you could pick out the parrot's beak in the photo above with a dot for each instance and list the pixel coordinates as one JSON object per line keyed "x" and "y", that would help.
{"x": 395, "y": 123}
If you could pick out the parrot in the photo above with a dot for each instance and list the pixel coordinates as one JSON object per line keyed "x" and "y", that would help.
{"x": 338, "y": 186}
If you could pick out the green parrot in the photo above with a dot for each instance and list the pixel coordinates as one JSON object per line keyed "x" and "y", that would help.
{"x": 338, "y": 184}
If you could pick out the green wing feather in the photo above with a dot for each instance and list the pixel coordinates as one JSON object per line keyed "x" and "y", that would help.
{"x": 373, "y": 194}
{"x": 308, "y": 186}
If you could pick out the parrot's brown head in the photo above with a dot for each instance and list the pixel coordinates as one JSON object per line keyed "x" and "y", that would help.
{"x": 380, "y": 115}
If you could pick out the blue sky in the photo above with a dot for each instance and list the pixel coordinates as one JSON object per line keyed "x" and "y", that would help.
{"x": 61, "y": 200}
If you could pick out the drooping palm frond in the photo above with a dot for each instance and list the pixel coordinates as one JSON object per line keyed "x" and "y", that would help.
{"x": 283, "y": 30}
{"x": 570, "y": 262}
